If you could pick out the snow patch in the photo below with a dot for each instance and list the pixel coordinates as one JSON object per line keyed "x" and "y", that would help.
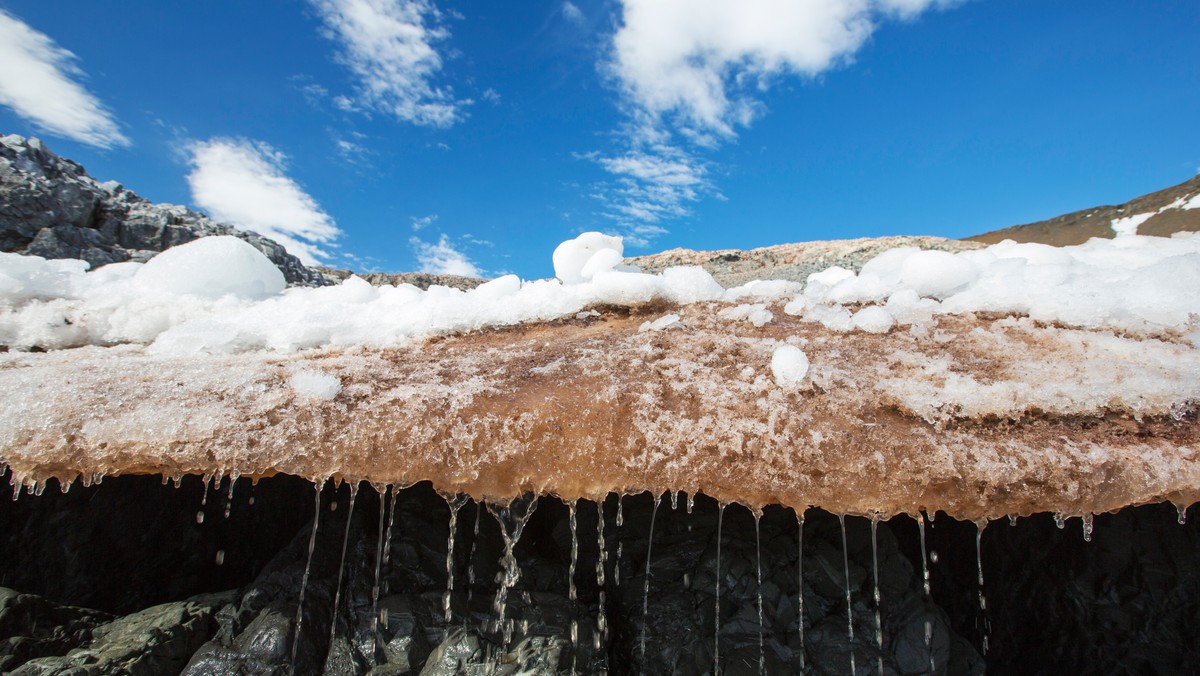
{"x": 315, "y": 384}
{"x": 789, "y": 365}
{"x": 1123, "y": 227}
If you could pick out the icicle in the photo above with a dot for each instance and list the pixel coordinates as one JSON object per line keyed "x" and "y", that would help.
{"x": 512, "y": 524}
{"x": 800, "y": 580}
{"x": 878, "y": 598}
{"x": 337, "y": 595}
{"x": 620, "y": 510}
{"x": 1182, "y": 509}
{"x": 762, "y": 655}
{"x": 646, "y": 583}
{"x": 312, "y": 544}
{"x": 455, "y": 503}
{"x": 849, "y": 606}
{"x": 1060, "y": 520}
{"x": 1012, "y": 519}
{"x": 674, "y": 500}
{"x": 691, "y": 502}
{"x": 979, "y": 526}
{"x": 383, "y": 497}
{"x": 717, "y": 595}
{"x": 925, "y": 584}
{"x": 1087, "y": 527}
{"x": 602, "y": 618}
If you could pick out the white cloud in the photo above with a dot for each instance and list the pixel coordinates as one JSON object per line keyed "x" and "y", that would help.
{"x": 243, "y": 183}
{"x": 442, "y": 258}
{"x": 654, "y": 183}
{"x": 701, "y": 62}
{"x": 572, "y": 13}
{"x": 389, "y": 46}
{"x": 423, "y": 222}
{"x": 38, "y": 80}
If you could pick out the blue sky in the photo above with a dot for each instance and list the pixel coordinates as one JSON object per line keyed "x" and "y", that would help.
{"x": 474, "y": 136}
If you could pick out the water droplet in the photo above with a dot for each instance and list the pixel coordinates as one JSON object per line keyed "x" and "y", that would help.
{"x": 220, "y": 557}
{"x": 200, "y": 516}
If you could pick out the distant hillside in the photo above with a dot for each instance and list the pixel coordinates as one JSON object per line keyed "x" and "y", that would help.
{"x": 1160, "y": 213}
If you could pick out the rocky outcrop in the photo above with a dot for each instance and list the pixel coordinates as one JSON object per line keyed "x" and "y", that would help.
{"x": 793, "y": 262}
{"x": 50, "y": 207}
{"x": 1160, "y": 213}
{"x": 421, "y": 280}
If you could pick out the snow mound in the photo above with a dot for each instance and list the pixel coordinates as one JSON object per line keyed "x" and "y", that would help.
{"x": 789, "y": 365}
{"x": 212, "y": 267}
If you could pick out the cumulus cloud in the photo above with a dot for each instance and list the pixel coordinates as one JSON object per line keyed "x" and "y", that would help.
{"x": 244, "y": 183}
{"x": 39, "y": 82}
{"x": 442, "y": 258}
{"x": 390, "y": 47}
{"x": 690, "y": 72}
{"x": 702, "y": 62}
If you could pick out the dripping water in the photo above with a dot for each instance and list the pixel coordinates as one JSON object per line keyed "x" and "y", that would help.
{"x": 691, "y": 502}
{"x": 878, "y": 598}
{"x": 337, "y": 595}
{"x": 387, "y": 544}
{"x": 979, "y": 526}
{"x": 229, "y": 497}
{"x": 1087, "y": 527}
{"x": 800, "y": 582}
{"x": 571, "y": 507}
{"x": 674, "y": 500}
{"x": 203, "y": 501}
{"x": 383, "y": 498}
{"x": 646, "y": 584}
{"x": 602, "y": 618}
{"x": 849, "y": 607}
{"x": 1182, "y": 509}
{"x": 471, "y": 556}
{"x": 620, "y": 545}
{"x": 312, "y": 543}
{"x": 1060, "y": 520}
{"x": 512, "y": 524}
{"x": 762, "y": 655}
{"x": 455, "y": 503}
{"x": 717, "y": 595}
{"x": 925, "y": 584}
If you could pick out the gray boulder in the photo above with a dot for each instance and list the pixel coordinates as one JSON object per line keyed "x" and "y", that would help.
{"x": 50, "y": 207}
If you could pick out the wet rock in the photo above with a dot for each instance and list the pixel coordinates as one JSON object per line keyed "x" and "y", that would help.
{"x": 50, "y": 207}
{"x": 35, "y": 627}
{"x": 157, "y": 640}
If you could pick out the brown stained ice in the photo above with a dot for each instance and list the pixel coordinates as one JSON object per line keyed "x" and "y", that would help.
{"x": 977, "y": 416}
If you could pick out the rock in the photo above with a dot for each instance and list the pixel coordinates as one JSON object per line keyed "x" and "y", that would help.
{"x": 157, "y": 640}
{"x": 32, "y": 627}
{"x": 421, "y": 280}
{"x": 50, "y": 207}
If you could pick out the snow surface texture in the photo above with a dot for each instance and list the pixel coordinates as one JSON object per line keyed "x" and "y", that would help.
{"x": 217, "y": 295}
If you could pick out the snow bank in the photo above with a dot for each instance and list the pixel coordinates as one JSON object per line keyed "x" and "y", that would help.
{"x": 218, "y": 295}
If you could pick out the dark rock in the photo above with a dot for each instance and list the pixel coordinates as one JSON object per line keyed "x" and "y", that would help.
{"x": 50, "y": 207}
{"x": 421, "y": 280}
{"x": 157, "y": 640}
{"x": 1128, "y": 601}
{"x": 35, "y": 627}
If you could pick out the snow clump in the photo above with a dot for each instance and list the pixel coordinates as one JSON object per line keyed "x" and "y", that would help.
{"x": 315, "y": 384}
{"x": 212, "y": 267}
{"x": 789, "y": 365}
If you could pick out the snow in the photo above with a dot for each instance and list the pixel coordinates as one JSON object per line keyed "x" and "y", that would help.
{"x": 873, "y": 319}
{"x": 1193, "y": 203}
{"x": 315, "y": 384}
{"x": 218, "y": 295}
{"x": 1123, "y": 227}
{"x": 789, "y": 365}
{"x": 663, "y": 322}
{"x": 212, "y": 267}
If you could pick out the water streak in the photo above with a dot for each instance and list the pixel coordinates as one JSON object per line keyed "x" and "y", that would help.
{"x": 646, "y": 584}
{"x": 471, "y": 555}
{"x": 337, "y": 595}
{"x": 878, "y": 598}
{"x": 312, "y": 544}
{"x": 925, "y": 584}
{"x": 849, "y": 605}
{"x": 979, "y": 526}
{"x": 512, "y": 519}
{"x": 229, "y": 498}
{"x": 762, "y": 655}
{"x": 383, "y": 498}
{"x": 455, "y": 503}
{"x": 717, "y": 596}
{"x": 800, "y": 582}
{"x": 602, "y": 617}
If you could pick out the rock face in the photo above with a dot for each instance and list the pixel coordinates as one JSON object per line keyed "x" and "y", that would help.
{"x": 50, "y": 207}
{"x": 676, "y": 577}
{"x": 1161, "y": 213}
{"x": 421, "y": 280}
